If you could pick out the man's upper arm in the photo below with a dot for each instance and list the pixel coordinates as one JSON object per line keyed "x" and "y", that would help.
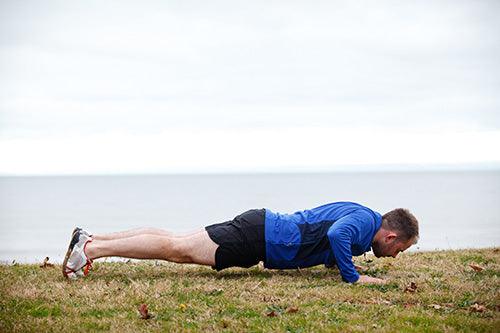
{"x": 342, "y": 234}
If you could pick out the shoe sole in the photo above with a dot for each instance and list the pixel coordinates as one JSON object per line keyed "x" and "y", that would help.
{"x": 72, "y": 243}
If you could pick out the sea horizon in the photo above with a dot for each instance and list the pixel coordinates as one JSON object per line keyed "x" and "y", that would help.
{"x": 457, "y": 209}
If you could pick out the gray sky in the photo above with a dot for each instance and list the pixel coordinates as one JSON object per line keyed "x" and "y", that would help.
{"x": 197, "y": 86}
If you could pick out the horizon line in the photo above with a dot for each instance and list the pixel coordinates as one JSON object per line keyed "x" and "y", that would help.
{"x": 376, "y": 168}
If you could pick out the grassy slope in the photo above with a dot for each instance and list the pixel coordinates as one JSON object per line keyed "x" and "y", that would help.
{"x": 191, "y": 298}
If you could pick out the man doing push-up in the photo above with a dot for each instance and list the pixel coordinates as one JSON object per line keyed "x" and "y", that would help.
{"x": 330, "y": 234}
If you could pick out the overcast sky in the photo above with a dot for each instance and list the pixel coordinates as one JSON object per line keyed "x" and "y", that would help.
{"x": 218, "y": 86}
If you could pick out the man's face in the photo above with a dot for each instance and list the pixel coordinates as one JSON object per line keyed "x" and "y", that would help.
{"x": 388, "y": 247}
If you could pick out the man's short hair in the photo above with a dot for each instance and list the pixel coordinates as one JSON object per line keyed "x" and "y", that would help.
{"x": 403, "y": 222}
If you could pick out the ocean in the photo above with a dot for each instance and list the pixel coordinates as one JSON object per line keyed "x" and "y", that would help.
{"x": 455, "y": 209}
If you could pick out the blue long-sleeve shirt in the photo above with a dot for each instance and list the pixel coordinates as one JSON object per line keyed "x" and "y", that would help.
{"x": 329, "y": 234}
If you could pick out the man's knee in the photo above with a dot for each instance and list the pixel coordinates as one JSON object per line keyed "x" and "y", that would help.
{"x": 202, "y": 248}
{"x": 196, "y": 248}
{"x": 180, "y": 251}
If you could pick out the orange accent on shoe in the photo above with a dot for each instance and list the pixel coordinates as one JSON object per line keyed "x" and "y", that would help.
{"x": 88, "y": 266}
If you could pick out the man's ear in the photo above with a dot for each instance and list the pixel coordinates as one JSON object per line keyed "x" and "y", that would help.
{"x": 391, "y": 236}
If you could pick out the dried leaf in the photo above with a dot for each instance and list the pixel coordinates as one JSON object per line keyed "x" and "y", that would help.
{"x": 272, "y": 314}
{"x": 292, "y": 309}
{"x": 143, "y": 311}
{"x": 411, "y": 288}
{"x": 477, "y": 308}
{"x": 274, "y": 310}
{"x": 477, "y": 268}
{"x": 46, "y": 263}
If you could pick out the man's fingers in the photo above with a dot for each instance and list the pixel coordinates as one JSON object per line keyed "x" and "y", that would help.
{"x": 369, "y": 279}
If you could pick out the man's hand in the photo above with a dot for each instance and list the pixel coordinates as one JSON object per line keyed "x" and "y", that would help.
{"x": 368, "y": 279}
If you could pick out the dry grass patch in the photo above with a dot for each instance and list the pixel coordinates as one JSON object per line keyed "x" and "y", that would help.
{"x": 428, "y": 291}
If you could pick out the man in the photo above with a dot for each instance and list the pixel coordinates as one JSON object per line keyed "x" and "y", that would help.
{"x": 329, "y": 234}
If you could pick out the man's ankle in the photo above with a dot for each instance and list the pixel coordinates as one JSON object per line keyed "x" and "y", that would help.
{"x": 90, "y": 249}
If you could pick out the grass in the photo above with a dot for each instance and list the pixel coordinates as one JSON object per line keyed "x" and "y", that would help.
{"x": 192, "y": 298}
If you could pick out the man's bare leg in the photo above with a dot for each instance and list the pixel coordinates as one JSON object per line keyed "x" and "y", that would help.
{"x": 195, "y": 248}
{"x": 133, "y": 232}
{"x": 139, "y": 231}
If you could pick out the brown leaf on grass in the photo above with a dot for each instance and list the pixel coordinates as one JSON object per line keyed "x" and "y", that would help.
{"x": 477, "y": 308}
{"x": 272, "y": 314}
{"x": 411, "y": 288}
{"x": 46, "y": 263}
{"x": 292, "y": 309}
{"x": 477, "y": 268}
{"x": 143, "y": 311}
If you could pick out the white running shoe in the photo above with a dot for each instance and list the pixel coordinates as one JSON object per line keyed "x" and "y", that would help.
{"x": 85, "y": 232}
{"x": 76, "y": 263}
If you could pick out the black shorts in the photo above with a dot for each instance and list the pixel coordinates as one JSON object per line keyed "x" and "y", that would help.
{"x": 241, "y": 241}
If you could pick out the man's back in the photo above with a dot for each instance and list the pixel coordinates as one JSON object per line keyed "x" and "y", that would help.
{"x": 305, "y": 238}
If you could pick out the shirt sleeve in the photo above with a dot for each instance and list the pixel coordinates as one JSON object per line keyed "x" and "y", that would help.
{"x": 342, "y": 234}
